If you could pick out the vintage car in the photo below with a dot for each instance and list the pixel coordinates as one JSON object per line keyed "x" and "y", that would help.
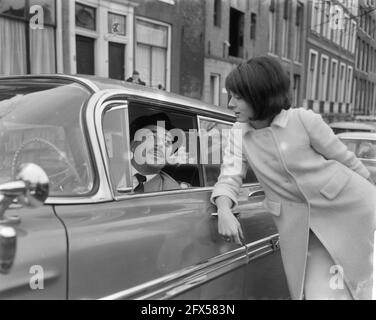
{"x": 363, "y": 144}
{"x": 92, "y": 239}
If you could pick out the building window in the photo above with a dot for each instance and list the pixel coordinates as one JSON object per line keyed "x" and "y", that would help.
{"x": 85, "y": 17}
{"x": 296, "y": 90}
{"x": 357, "y": 53}
{"x": 312, "y": 75}
{"x": 25, "y": 49}
{"x": 316, "y": 16}
{"x": 326, "y": 22}
{"x": 152, "y": 48}
{"x": 285, "y": 29}
{"x": 349, "y": 84}
{"x": 253, "y": 26}
{"x": 298, "y": 31}
{"x": 333, "y": 80}
{"x": 217, "y": 17}
{"x": 236, "y": 33}
{"x": 323, "y": 80}
{"x": 215, "y": 81}
{"x": 354, "y": 94}
{"x": 85, "y": 39}
{"x": 272, "y": 27}
{"x": 85, "y": 56}
{"x": 342, "y": 83}
{"x": 117, "y": 24}
{"x": 361, "y": 57}
{"x": 346, "y": 33}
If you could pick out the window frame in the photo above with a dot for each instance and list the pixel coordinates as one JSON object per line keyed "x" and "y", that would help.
{"x": 163, "y": 107}
{"x": 218, "y": 120}
{"x": 26, "y": 22}
{"x": 168, "y": 48}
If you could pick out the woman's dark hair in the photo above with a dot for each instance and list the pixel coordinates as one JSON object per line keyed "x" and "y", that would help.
{"x": 264, "y": 84}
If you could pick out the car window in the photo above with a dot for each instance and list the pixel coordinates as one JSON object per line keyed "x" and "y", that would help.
{"x": 115, "y": 135}
{"x": 364, "y": 149}
{"x": 367, "y": 150}
{"x": 42, "y": 125}
{"x": 214, "y": 136}
{"x": 351, "y": 144}
{"x": 162, "y": 149}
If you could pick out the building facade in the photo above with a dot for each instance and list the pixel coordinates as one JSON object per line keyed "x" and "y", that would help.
{"x": 238, "y": 30}
{"x": 330, "y": 58}
{"x": 365, "y": 60}
{"x": 31, "y": 37}
{"x": 109, "y": 38}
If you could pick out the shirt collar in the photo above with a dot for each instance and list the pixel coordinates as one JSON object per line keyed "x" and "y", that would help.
{"x": 148, "y": 177}
{"x": 280, "y": 120}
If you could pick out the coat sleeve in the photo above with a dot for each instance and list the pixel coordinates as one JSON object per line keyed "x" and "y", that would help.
{"x": 325, "y": 142}
{"x": 233, "y": 169}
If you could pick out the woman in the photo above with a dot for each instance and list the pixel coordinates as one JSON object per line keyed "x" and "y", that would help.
{"x": 315, "y": 188}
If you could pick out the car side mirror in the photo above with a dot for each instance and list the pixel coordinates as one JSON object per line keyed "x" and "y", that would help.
{"x": 31, "y": 188}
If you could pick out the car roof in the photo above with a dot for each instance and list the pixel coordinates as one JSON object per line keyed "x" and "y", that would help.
{"x": 358, "y": 135}
{"x": 96, "y": 84}
{"x": 353, "y": 125}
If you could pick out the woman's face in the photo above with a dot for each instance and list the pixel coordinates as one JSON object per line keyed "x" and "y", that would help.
{"x": 243, "y": 111}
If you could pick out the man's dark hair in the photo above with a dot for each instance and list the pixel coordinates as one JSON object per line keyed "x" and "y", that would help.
{"x": 144, "y": 121}
{"x": 263, "y": 84}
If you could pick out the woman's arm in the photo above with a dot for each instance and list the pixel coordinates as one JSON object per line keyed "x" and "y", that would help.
{"x": 226, "y": 190}
{"x": 233, "y": 168}
{"x": 325, "y": 142}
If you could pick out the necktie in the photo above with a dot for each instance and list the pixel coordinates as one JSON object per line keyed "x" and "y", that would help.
{"x": 141, "y": 180}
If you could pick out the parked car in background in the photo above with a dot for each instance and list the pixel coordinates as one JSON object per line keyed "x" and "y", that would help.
{"x": 348, "y": 126}
{"x": 94, "y": 240}
{"x": 363, "y": 144}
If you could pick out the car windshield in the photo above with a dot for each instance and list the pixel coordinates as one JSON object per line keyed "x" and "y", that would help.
{"x": 41, "y": 124}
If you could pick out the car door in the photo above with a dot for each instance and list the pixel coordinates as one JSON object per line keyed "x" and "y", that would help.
{"x": 158, "y": 245}
{"x": 264, "y": 273}
{"x": 39, "y": 269}
{"x": 38, "y": 256}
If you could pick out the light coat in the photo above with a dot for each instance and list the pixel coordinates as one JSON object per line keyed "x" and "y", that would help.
{"x": 311, "y": 180}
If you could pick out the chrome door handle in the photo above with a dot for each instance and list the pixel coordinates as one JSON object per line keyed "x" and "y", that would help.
{"x": 256, "y": 191}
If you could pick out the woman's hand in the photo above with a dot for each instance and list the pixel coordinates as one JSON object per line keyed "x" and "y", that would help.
{"x": 229, "y": 227}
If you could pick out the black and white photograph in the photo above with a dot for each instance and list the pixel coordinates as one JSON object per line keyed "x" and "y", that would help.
{"x": 203, "y": 152}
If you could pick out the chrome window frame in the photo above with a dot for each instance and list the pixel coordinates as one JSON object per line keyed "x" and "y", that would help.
{"x": 131, "y": 195}
{"x": 99, "y": 115}
{"x": 360, "y": 139}
{"x": 199, "y": 118}
{"x": 203, "y": 118}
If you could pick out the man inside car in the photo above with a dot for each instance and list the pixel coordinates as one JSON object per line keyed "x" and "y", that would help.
{"x": 152, "y": 146}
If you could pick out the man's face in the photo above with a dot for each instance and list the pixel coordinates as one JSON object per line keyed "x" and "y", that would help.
{"x": 156, "y": 147}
